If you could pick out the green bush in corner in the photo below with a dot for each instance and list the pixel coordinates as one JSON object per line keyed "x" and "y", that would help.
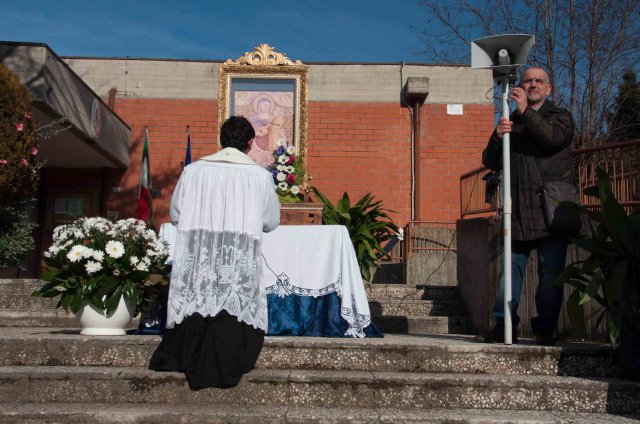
{"x": 610, "y": 274}
{"x": 368, "y": 224}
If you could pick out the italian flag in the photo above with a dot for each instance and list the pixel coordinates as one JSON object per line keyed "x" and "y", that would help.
{"x": 143, "y": 207}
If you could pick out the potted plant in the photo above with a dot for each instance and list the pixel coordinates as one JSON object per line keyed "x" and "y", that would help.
{"x": 101, "y": 270}
{"x": 368, "y": 223}
{"x": 610, "y": 274}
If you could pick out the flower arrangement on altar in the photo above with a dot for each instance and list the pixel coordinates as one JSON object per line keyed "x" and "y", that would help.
{"x": 94, "y": 261}
{"x": 286, "y": 172}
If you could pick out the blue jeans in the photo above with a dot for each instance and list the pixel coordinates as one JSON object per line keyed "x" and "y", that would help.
{"x": 552, "y": 254}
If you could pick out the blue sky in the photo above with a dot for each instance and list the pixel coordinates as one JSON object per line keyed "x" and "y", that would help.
{"x": 311, "y": 31}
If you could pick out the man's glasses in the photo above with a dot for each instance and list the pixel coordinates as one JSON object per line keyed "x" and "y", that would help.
{"x": 529, "y": 81}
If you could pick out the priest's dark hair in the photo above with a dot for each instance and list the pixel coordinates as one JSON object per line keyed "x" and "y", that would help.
{"x": 236, "y": 132}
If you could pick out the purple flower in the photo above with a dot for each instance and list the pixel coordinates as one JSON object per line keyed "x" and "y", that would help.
{"x": 3, "y": 162}
{"x": 19, "y": 126}
{"x": 280, "y": 150}
{"x": 34, "y": 151}
{"x": 27, "y": 115}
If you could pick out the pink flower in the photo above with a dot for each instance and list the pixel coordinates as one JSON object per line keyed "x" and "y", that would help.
{"x": 3, "y": 162}
{"x": 25, "y": 162}
{"x": 27, "y": 115}
{"x": 291, "y": 179}
{"x": 19, "y": 126}
{"x": 34, "y": 151}
{"x": 291, "y": 160}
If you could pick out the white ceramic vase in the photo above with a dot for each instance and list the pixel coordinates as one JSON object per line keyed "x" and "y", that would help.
{"x": 94, "y": 322}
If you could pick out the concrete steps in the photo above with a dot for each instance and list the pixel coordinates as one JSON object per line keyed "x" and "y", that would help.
{"x": 14, "y": 413}
{"x": 404, "y": 309}
{"x": 341, "y": 389}
{"x": 52, "y": 374}
{"x": 393, "y": 353}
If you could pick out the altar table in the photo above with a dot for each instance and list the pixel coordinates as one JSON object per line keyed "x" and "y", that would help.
{"x": 312, "y": 280}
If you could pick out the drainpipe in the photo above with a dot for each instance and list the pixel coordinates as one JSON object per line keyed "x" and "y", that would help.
{"x": 416, "y": 90}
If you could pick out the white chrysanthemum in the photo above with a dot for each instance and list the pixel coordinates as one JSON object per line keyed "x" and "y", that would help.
{"x": 146, "y": 260}
{"x": 134, "y": 260}
{"x": 116, "y": 272}
{"x": 87, "y": 252}
{"x": 281, "y": 176}
{"x": 283, "y": 159}
{"x": 75, "y": 254}
{"x": 142, "y": 267}
{"x": 93, "y": 267}
{"x": 283, "y": 186}
{"x": 48, "y": 254}
{"x": 115, "y": 249}
{"x": 291, "y": 150}
{"x": 98, "y": 255}
{"x": 290, "y": 169}
{"x": 295, "y": 189}
{"x": 280, "y": 168}
{"x": 281, "y": 142}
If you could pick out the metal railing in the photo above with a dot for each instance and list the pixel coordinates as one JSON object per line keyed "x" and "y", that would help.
{"x": 620, "y": 160}
{"x": 472, "y": 194}
{"x": 433, "y": 236}
{"x": 622, "y": 163}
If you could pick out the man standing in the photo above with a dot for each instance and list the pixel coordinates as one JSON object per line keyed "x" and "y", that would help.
{"x": 541, "y": 135}
{"x": 217, "y": 310}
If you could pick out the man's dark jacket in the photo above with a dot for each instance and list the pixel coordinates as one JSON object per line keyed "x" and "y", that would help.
{"x": 545, "y": 136}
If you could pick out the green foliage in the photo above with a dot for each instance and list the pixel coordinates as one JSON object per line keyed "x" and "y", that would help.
{"x": 368, "y": 224}
{"x": 18, "y": 142}
{"x": 95, "y": 261}
{"x": 611, "y": 273}
{"x": 16, "y": 237}
{"x": 624, "y": 121}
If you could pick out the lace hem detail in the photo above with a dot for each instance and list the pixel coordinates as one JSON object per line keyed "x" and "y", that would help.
{"x": 215, "y": 270}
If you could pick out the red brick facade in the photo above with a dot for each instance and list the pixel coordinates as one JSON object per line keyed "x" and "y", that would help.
{"x": 352, "y": 147}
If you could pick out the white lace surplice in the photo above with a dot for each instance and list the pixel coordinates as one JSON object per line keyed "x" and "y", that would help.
{"x": 221, "y": 204}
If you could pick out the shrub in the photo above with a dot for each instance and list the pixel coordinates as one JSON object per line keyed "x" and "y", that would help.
{"x": 16, "y": 237}
{"x": 19, "y": 163}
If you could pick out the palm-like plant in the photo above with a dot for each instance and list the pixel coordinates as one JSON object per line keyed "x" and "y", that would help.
{"x": 611, "y": 273}
{"x": 368, "y": 224}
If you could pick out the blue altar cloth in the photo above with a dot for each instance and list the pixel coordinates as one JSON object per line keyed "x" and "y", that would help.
{"x": 294, "y": 315}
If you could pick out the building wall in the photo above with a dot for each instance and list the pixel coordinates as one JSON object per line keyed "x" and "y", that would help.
{"x": 359, "y": 133}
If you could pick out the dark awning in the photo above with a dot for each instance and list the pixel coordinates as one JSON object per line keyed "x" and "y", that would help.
{"x": 97, "y": 137}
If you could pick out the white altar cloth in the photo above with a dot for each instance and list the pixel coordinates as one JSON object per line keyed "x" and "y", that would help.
{"x": 310, "y": 260}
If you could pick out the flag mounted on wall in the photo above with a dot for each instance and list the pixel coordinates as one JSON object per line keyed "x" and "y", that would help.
{"x": 143, "y": 207}
{"x": 187, "y": 155}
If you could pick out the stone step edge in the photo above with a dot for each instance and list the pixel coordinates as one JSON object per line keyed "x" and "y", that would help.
{"x": 340, "y": 389}
{"x": 118, "y": 413}
{"x": 399, "y": 342}
{"x": 402, "y": 379}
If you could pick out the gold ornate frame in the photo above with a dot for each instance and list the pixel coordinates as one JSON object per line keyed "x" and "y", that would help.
{"x": 265, "y": 63}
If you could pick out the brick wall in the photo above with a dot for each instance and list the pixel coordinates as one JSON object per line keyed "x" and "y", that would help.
{"x": 353, "y": 147}
{"x": 450, "y": 145}
{"x": 166, "y": 121}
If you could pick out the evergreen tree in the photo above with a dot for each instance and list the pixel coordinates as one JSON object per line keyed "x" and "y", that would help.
{"x": 624, "y": 121}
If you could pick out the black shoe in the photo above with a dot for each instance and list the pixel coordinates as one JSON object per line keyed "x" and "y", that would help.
{"x": 543, "y": 339}
{"x": 497, "y": 336}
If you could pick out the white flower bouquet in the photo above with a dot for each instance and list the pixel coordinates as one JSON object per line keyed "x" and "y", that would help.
{"x": 286, "y": 174}
{"x": 93, "y": 260}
